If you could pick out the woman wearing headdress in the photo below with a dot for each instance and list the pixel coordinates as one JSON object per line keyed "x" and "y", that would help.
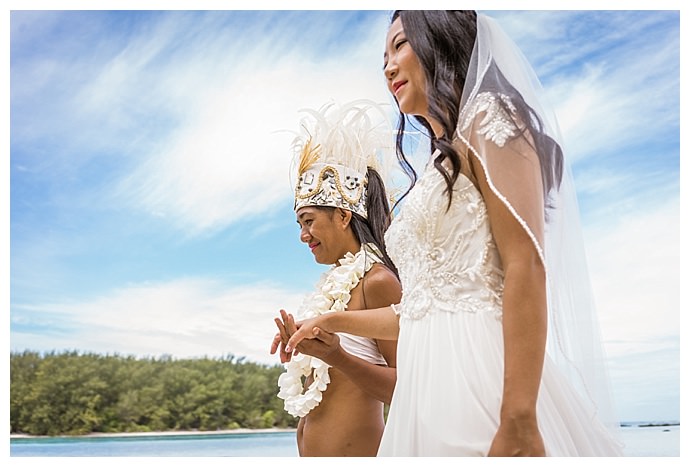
{"x": 498, "y": 350}
{"x": 341, "y": 204}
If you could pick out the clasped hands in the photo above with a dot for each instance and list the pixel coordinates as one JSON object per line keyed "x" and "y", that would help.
{"x": 303, "y": 337}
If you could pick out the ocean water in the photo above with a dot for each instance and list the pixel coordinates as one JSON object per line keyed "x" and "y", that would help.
{"x": 654, "y": 441}
{"x": 204, "y": 445}
{"x": 639, "y": 441}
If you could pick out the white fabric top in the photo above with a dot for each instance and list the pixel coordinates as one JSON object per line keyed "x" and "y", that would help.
{"x": 362, "y": 347}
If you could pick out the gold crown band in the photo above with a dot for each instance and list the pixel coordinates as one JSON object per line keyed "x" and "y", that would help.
{"x": 325, "y": 197}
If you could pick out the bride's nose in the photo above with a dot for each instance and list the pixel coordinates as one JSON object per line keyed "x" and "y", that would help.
{"x": 390, "y": 69}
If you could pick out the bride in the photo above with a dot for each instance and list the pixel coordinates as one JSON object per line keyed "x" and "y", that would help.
{"x": 497, "y": 341}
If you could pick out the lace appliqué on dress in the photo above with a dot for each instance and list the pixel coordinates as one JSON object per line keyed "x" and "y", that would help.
{"x": 497, "y": 125}
{"x": 447, "y": 258}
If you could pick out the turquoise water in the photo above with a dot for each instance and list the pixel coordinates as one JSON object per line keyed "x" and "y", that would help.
{"x": 213, "y": 445}
{"x": 640, "y": 442}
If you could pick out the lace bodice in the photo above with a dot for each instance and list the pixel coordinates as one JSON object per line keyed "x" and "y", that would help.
{"x": 447, "y": 261}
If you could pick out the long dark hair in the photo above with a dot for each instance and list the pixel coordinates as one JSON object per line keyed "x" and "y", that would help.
{"x": 443, "y": 42}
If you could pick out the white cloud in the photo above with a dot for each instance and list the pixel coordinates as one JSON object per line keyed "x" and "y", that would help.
{"x": 611, "y": 106}
{"x": 599, "y": 112}
{"x": 180, "y": 109}
{"x": 182, "y": 318}
{"x": 635, "y": 272}
{"x": 229, "y": 158}
{"x": 612, "y": 75}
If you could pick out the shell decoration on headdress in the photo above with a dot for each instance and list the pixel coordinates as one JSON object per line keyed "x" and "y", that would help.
{"x": 336, "y": 146}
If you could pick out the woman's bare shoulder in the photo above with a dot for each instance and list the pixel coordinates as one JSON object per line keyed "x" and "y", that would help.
{"x": 382, "y": 287}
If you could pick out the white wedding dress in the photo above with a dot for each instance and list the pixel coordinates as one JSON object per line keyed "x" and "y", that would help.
{"x": 450, "y": 350}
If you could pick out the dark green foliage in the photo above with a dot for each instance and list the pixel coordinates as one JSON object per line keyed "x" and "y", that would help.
{"x": 75, "y": 393}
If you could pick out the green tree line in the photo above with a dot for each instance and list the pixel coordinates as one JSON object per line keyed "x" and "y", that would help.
{"x": 73, "y": 393}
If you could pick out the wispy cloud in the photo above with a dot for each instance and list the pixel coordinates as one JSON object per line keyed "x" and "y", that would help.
{"x": 192, "y": 106}
{"x": 635, "y": 271}
{"x": 596, "y": 105}
{"x": 184, "y": 318}
{"x": 614, "y": 76}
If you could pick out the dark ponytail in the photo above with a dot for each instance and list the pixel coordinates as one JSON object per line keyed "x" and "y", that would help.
{"x": 372, "y": 230}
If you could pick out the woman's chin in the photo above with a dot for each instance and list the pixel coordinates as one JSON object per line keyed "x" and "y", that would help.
{"x": 321, "y": 260}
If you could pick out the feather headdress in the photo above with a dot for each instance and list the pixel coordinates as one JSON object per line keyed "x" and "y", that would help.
{"x": 334, "y": 150}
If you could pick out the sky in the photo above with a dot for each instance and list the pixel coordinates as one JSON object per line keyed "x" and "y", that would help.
{"x": 150, "y": 205}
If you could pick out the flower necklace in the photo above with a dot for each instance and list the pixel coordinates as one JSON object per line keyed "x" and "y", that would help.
{"x": 332, "y": 294}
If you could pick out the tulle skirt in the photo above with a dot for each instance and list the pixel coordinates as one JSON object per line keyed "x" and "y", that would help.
{"x": 448, "y": 394}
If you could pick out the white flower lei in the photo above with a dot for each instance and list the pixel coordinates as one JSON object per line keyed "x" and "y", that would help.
{"x": 333, "y": 294}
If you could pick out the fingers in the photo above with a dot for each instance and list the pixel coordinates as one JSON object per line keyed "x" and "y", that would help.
{"x": 284, "y": 355}
{"x": 279, "y": 344}
{"x": 290, "y": 325}
{"x": 280, "y": 339}
{"x": 277, "y": 340}
{"x": 284, "y": 335}
{"x": 290, "y": 329}
{"x": 299, "y": 335}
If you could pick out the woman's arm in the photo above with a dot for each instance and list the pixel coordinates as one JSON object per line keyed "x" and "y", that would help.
{"x": 524, "y": 326}
{"x": 378, "y": 323}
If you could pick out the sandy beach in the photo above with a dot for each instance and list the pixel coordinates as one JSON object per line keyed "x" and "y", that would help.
{"x": 238, "y": 431}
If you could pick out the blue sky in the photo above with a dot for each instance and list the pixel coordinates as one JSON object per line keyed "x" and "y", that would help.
{"x": 150, "y": 205}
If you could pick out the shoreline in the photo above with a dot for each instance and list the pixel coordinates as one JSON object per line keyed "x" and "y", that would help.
{"x": 245, "y": 431}
{"x": 238, "y": 431}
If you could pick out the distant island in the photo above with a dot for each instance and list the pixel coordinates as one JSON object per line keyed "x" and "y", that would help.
{"x": 74, "y": 393}
{"x": 649, "y": 424}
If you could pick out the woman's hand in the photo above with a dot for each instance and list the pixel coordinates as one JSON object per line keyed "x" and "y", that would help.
{"x": 307, "y": 329}
{"x": 311, "y": 339}
{"x": 325, "y": 346}
{"x": 518, "y": 437}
